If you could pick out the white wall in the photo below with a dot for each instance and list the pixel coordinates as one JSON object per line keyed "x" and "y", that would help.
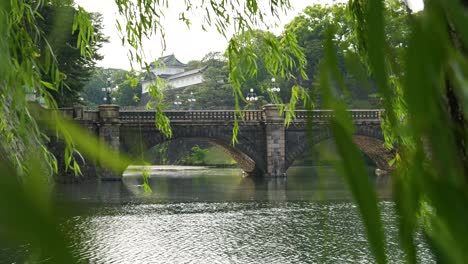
{"x": 176, "y": 83}
{"x": 167, "y": 70}
{"x": 186, "y": 80}
{"x": 144, "y": 86}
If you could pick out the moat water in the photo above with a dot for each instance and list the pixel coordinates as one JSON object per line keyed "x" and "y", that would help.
{"x": 218, "y": 216}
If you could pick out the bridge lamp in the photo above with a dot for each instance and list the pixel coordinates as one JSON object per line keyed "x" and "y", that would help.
{"x": 191, "y": 100}
{"x": 177, "y": 102}
{"x": 251, "y": 96}
{"x": 108, "y": 90}
{"x": 274, "y": 89}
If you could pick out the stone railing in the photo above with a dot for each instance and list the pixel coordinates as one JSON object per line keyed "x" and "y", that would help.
{"x": 207, "y": 115}
{"x": 194, "y": 115}
{"x": 325, "y": 115}
{"x": 253, "y": 115}
{"x": 137, "y": 116}
{"x": 372, "y": 114}
{"x": 80, "y": 113}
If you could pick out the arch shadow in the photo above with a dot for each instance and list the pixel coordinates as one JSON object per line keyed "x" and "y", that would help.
{"x": 369, "y": 139}
{"x": 136, "y": 140}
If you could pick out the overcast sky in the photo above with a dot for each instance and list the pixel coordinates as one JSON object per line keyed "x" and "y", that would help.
{"x": 187, "y": 44}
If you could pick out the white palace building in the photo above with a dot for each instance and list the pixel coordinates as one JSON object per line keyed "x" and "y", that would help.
{"x": 173, "y": 72}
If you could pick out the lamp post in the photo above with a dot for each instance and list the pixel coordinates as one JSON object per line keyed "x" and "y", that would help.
{"x": 191, "y": 100}
{"x": 273, "y": 90}
{"x": 177, "y": 102}
{"x": 108, "y": 90}
{"x": 251, "y": 96}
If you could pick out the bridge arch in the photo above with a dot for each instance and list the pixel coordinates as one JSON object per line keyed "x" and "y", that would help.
{"x": 136, "y": 140}
{"x": 368, "y": 138}
{"x": 263, "y": 140}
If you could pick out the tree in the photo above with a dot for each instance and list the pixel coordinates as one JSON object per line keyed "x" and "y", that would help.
{"x": 215, "y": 84}
{"x": 26, "y": 69}
{"x": 423, "y": 97}
{"x": 126, "y": 95}
{"x": 260, "y": 67}
{"x": 311, "y": 27}
{"x": 75, "y": 68}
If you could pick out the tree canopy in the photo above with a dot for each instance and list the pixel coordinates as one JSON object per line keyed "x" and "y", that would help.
{"x": 128, "y": 92}
{"x": 76, "y": 68}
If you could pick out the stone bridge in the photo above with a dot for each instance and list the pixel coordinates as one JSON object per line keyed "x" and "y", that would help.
{"x": 265, "y": 146}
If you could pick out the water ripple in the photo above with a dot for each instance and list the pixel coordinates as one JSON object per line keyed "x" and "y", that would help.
{"x": 231, "y": 232}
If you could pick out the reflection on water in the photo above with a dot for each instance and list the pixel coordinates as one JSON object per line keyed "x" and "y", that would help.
{"x": 302, "y": 183}
{"x": 217, "y": 216}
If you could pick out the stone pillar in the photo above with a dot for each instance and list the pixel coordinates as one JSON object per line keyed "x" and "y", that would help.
{"x": 57, "y": 146}
{"x": 88, "y": 168}
{"x": 275, "y": 141}
{"x": 109, "y": 134}
{"x": 78, "y": 111}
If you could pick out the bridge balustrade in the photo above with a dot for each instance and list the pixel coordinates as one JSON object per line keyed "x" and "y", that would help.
{"x": 366, "y": 114}
{"x": 195, "y": 115}
{"x": 208, "y": 115}
{"x": 253, "y": 115}
{"x": 133, "y": 116}
{"x": 325, "y": 115}
{"x": 137, "y": 116}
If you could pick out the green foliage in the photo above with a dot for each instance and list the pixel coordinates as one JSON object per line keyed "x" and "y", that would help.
{"x": 28, "y": 69}
{"x": 127, "y": 94}
{"x": 207, "y": 156}
{"x": 310, "y": 29}
{"x": 28, "y": 217}
{"x": 57, "y": 22}
{"x": 146, "y": 176}
{"x": 425, "y": 107}
{"x": 262, "y": 55}
{"x": 158, "y": 154}
{"x": 197, "y": 157}
{"x": 199, "y": 154}
{"x": 217, "y": 156}
{"x": 352, "y": 164}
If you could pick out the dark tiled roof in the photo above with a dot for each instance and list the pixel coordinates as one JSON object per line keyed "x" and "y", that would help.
{"x": 170, "y": 60}
{"x": 149, "y": 76}
{"x": 165, "y": 76}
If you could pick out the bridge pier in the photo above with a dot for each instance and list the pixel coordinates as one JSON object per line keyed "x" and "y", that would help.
{"x": 109, "y": 135}
{"x": 275, "y": 141}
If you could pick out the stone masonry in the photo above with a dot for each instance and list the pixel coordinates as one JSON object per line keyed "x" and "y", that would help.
{"x": 265, "y": 146}
{"x": 275, "y": 141}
